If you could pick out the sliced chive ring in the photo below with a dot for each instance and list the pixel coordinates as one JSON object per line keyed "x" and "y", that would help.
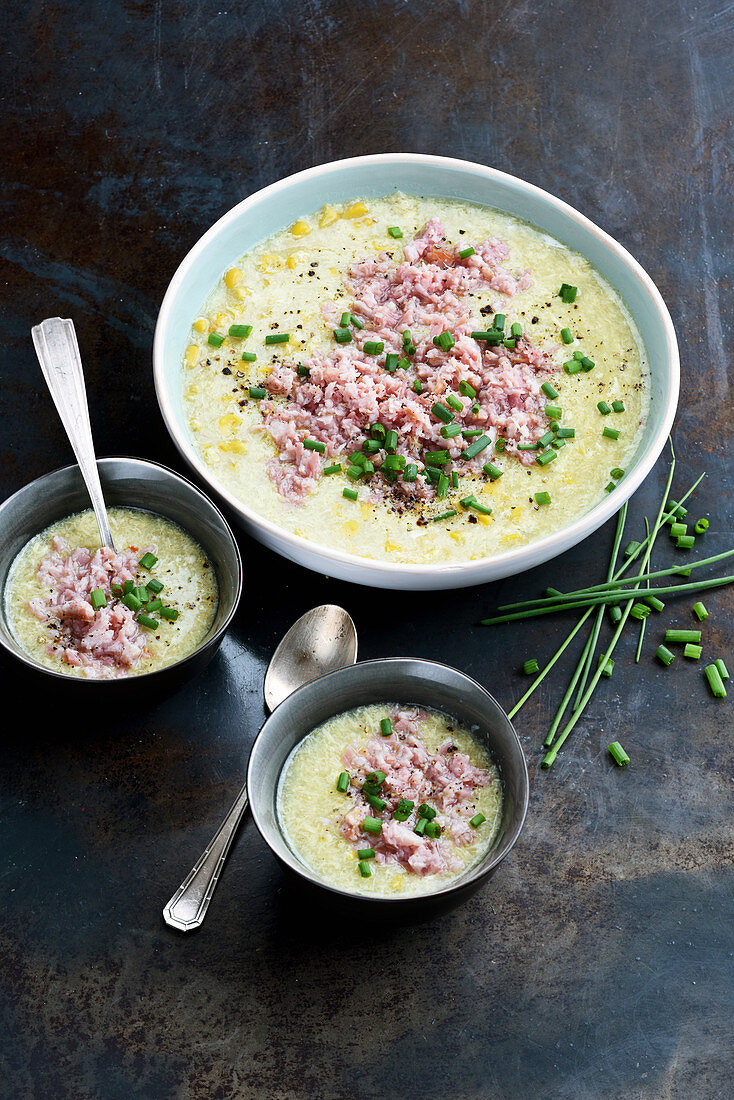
{"x": 664, "y": 655}
{"x": 395, "y": 231}
{"x": 342, "y": 783}
{"x": 385, "y": 728}
{"x": 373, "y": 347}
{"x": 97, "y": 598}
{"x": 477, "y": 820}
{"x": 549, "y": 391}
{"x": 567, "y": 293}
{"x": 603, "y": 408}
{"x": 701, "y": 526}
{"x": 530, "y": 667}
{"x": 618, "y": 406}
{"x": 693, "y": 652}
{"x": 342, "y": 336}
{"x": 606, "y": 664}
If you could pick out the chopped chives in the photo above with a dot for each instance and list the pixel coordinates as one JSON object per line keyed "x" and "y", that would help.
{"x": 611, "y": 433}
{"x": 453, "y": 401}
{"x": 567, "y": 335}
{"x": 617, "y": 752}
{"x": 685, "y": 542}
{"x": 371, "y": 446}
{"x": 606, "y": 664}
{"x": 631, "y": 549}
{"x": 391, "y": 440}
{"x": 486, "y": 336}
{"x": 129, "y": 585}
{"x": 701, "y": 526}
{"x": 372, "y": 825}
{"x": 549, "y": 391}
{"x": 444, "y": 340}
{"x": 366, "y": 853}
{"x": 663, "y": 654}
{"x": 378, "y": 777}
{"x": 553, "y": 412}
{"x": 527, "y": 446}
{"x": 546, "y": 439}
{"x": 355, "y": 472}
{"x": 215, "y": 339}
{"x": 442, "y": 486}
{"x": 578, "y": 354}
{"x": 410, "y": 472}
{"x": 385, "y": 728}
{"x": 700, "y": 611}
{"x": 546, "y": 457}
{"x": 448, "y": 431}
{"x": 116, "y": 589}
{"x": 97, "y": 598}
{"x": 587, "y": 364}
{"x": 403, "y": 364}
{"x": 471, "y": 433}
{"x": 342, "y": 336}
{"x": 654, "y": 603}
{"x": 499, "y": 321}
{"x": 678, "y": 529}
{"x": 147, "y": 561}
{"x": 618, "y": 406}
{"x": 345, "y": 319}
{"x": 473, "y": 503}
{"x": 424, "y": 810}
{"x": 257, "y": 393}
{"x": 368, "y": 468}
{"x": 572, "y": 366}
{"x": 516, "y": 329}
{"x": 407, "y": 338}
{"x": 141, "y": 593}
{"x": 715, "y": 682}
{"x": 683, "y": 636}
{"x": 531, "y": 667}
{"x": 342, "y": 783}
{"x": 373, "y": 347}
{"x": 170, "y": 613}
{"x": 364, "y": 869}
{"x": 567, "y": 293}
{"x": 500, "y": 445}
{"x": 542, "y": 498}
{"x": 358, "y": 458}
{"x": 420, "y": 826}
{"x": 640, "y": 611}
{"x": 723, "y": 671}
{"x": 277, "y": 338}
{"x": 454, "y": 480}
{"x": 491, "y": 471}
{"x": 250, "y": 357}
{"x": 376, "y": 802}
{"x": 678, "y": 510}
{"x": 436, "y": 458}
{"x": 615, "y": 613}
{"x": 476, "y": 447}
{"x": 445, "y": 515}
{"x": 566, "y": 433}
{"x": 154, "y": 585}
{"x": 391, "y": 361}
{"x": 466, "y": 253}
{"x": 477, "y": 820}
{"x": 433, "y": 830}
{"x": 617, "y": 473}
{"x": 145, "y": 620}
{"x": 603, "y": 408}
{"x": 442, "y": 413}
{"x": 240, "y": 332}
{"x": 610, "y": 487}
{"x": 418, "y": 386}
{"x": 350, "y": 494}
{"x": 693, "y": 652}
{"x": 395, "y": 231}
{"x": 403, "y": 809}
{"x": 314, "y": 445}
{"x": 509, "y": 342}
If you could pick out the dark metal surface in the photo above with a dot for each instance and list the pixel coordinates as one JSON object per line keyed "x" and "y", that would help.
{"x": 597, "y": 961}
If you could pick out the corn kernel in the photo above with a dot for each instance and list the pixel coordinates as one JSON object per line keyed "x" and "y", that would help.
{"x": 242, "y": 292}
{"x": 229, "y": 423}
{"x": 456, "y": 536}
{"x": 192, "y": 354}
{"x": 223, "y": 320}
{"x": 300, "y": 228}
{"x": 291, "y": 263}
{"x": 201, "y": 324}
{"x": 351, "y": 526}
{"x": 391, "y": 547}
{"x": 192, "y": 390}
{"x": 236, "y": 446}
{"x": 270, "y": 262}
{"x": 328, "y": 216}
{"x": 355, "y": 210}
{"x": 484, "y": 520}
{"x": 368, "y": 221}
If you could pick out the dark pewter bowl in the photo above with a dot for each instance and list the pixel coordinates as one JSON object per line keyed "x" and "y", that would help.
{"x": 134, "y": 483}
{"x": 405, "y": 680}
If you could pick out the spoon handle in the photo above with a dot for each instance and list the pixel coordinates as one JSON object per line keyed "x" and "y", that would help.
{"x": 187, "y": 908}
{"x": 58, "y": 353}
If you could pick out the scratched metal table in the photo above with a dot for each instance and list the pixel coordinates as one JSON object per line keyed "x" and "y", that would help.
{"x": 597, "y": 962}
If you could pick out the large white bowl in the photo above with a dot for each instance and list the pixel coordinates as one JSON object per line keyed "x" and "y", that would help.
{"x": 280, "y": 204}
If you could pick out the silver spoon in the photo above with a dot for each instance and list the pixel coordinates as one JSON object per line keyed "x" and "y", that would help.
{"x": 58, "y": 353}
{"x": 322, "y": 640}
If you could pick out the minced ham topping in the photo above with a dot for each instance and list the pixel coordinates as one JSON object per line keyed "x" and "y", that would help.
{"x": 446, "y": 780}
{"x": 347, "y": 391}
{"x": 106, "y": 642}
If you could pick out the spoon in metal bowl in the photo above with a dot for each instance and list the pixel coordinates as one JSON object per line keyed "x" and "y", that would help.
{"x": 322, "y": 640}
{"x": 58, "y": 353}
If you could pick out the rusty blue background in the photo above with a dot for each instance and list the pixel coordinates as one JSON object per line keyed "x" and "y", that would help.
{"x": 598, "y": 961}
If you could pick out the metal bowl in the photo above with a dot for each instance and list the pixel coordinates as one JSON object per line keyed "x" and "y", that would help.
{"x": 281, "y": 204}
{"x": 404, "y": 680}
{"x": 132, "y": 483}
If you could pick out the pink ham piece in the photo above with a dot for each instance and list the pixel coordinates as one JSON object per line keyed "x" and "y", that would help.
{"x": 104, "y": 643}
{"x": 446, "y": 780}
{"x": 347, "y": 391}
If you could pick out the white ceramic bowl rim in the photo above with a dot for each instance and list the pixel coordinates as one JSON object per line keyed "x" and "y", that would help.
{"x": 523, "y": 556}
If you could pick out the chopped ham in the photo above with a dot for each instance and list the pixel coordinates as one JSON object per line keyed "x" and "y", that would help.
{"x": 104, "y": 643}
{"x": 446, "y": 780}
{"x": 347, "y": 391}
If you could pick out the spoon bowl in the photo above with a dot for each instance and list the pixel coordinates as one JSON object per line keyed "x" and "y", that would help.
{"x": 322, "y": 640}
